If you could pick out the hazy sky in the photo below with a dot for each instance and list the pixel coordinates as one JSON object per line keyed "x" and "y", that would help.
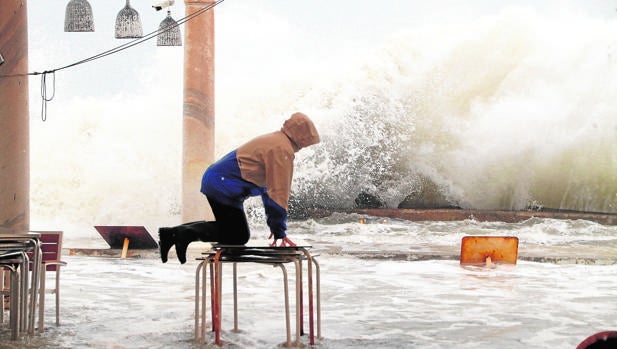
{"x": 253, "y": 36}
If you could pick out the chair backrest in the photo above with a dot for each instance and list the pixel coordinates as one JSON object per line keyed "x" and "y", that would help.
{"x": 51, "y": 246}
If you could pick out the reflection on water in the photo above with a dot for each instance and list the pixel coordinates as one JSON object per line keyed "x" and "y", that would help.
{"x": 367, "y": 300}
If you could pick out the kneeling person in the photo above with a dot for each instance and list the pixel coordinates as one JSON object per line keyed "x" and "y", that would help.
{"x": 263, "y": 166}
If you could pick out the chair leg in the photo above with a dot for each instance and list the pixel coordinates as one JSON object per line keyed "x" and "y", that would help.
{"x": 204, "y": 289}
{"x": 15, "y": 307}
{"x": 235, "y": 286}
{"x": 218, "y": 278}
{"x": 299, "y": 314}
{"x": 2, "y": 295}
{"x": 318, "y": 289}
{"x": 42, "y": 302}
{"x": 36, "y": 270}
{"x": 57, "y": 295}
{"x": 197, "y": 294}
{"x": 286, "y": 289}
{"x": 309, "y": 260}
{"x": 219, "y": 301}
{"x": 301, "y": 295}
{"x": 212, "y": 293}
{"x": 24, "y": 275}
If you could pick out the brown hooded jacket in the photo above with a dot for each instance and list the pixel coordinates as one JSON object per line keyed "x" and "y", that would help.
{"x": 267, "y": 161}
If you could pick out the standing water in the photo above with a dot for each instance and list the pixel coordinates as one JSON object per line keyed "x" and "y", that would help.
{"x": 393, "y": 284}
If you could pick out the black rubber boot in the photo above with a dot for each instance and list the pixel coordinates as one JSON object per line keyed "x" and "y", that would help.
{"x": 182, "y": 243}
{"x": 189, "y": 232}
{"x": 167, "y": 239}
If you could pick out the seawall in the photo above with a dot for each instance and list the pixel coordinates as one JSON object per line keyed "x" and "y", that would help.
{"x": 478, "y": 215}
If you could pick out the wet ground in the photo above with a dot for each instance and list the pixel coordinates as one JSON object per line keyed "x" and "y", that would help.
{"x": 142, "y": 303}
{"x": 376, "y": 293}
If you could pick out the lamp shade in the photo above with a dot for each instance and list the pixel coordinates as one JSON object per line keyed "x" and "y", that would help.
{"x": 170, "y": 32}
{"x": 78, "y": 17}
{"x": 128, "y": 24}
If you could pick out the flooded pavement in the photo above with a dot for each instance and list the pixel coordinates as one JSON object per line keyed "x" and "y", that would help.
{"x": 369, "y": 298}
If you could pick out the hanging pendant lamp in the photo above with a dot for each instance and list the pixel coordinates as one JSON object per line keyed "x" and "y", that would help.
{"x": 128, "y": 24}
{"x": 170, "y": 32}
{"x": 78, "y": 17}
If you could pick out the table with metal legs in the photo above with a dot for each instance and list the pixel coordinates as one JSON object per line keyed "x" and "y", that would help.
{"x": 25, "y": 245}
{"x": 275, "y": 256}
{"x": 13, "y": 261}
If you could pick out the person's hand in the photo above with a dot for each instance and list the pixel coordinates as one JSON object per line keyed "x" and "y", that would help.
{"x": 284, "y": 242}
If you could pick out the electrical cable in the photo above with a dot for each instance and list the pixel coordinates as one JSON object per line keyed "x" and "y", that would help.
{"x": 44, "y": 97}
{"x": 114, "y": 50}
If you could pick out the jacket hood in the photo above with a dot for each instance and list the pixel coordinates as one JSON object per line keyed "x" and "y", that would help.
{"x": 301, "y": 130}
